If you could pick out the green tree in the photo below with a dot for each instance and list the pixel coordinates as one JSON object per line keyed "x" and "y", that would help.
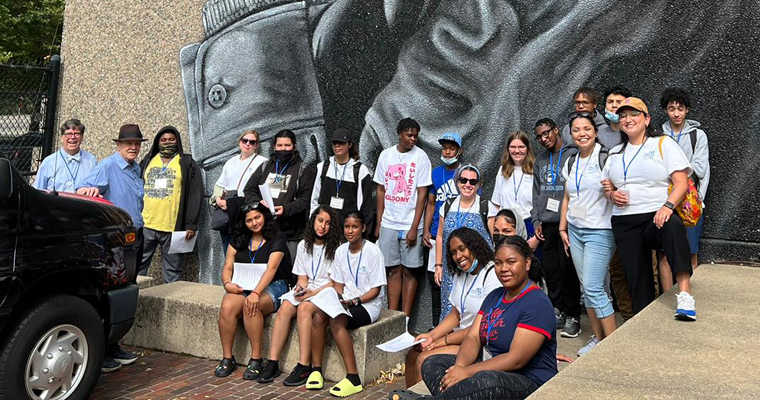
{"x": 30, "y": 30}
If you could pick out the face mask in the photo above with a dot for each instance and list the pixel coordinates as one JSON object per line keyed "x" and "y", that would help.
{"x": 474, "y": 265}
{"x": 612, "y": 117}
{"x": 449, "y": 161}
{"x": 167, "y": 149}
{"x": 498, "y": 237}
{"x": 282, "y": 155}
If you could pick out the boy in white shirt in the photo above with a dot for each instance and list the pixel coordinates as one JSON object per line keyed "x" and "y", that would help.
{"x": 402, "y": 176}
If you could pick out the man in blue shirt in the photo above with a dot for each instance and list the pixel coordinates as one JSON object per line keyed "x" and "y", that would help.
{"x": 117, "y": 179}
{"x": 65, "y": 169}
{"x": 442, "y": 189}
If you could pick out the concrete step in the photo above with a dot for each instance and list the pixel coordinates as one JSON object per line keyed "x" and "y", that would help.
{"x": 181, "y": 317}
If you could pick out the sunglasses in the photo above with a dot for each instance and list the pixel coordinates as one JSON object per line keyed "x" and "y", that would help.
{"x": 631, "y": 113}
{"x": 249, "y": 141}
{"x": 249, "y": 207}
{"x": 473, "y": 182}
{"x": 581, "y": 114}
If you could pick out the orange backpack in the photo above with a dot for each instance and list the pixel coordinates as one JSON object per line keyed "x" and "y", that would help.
{"x": 690, "y": 208}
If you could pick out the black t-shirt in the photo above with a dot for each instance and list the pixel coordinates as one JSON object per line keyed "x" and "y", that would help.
{"x": 277, "y": 243}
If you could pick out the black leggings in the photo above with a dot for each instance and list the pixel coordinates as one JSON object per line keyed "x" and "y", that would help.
{"x": 359, "y": 317}
{"x": 560, "y": 275}
{"x": 482, "y": 385}
{"x": 636, "y": 236}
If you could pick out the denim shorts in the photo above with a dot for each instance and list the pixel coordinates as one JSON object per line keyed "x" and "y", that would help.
{"x": 694, "y": 233}
{"x": 275, "y": 290}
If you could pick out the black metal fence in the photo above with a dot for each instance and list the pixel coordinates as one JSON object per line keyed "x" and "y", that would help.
{"x": 28, "y": 97}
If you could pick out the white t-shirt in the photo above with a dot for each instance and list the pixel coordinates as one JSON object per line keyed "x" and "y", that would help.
{"x": 468, "y": 292}
{"x": 234, "y": 168}
{"x": 648, "y": 174}
{"x": 587, "y": 207}
{"x": 514, "y": 193}
{"x": 474, "y": 208}
{"x": 315, "y": 266}
{"x": 359, "y": 277}
{"x": 402, "y": 174}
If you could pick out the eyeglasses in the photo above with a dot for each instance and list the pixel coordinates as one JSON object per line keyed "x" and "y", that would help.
{"x": 473, "y": 182}
{"x": 515, "y": 148}
{"x": 70, "y": 134}
{"x": 631, "y": 113}
{"x": 248, "y": 141}
{"x": 544, "y": 134}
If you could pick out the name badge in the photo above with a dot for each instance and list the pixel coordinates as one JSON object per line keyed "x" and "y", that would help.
{"x": 69, "y": 183}
{"x": 552, "y": 205}
{"x": 275, "y": 192}
{"x": 160, "y": 183}
{"x": 486, "y": 354}
{"x": 336, "y": 203}
{"x": 578, "y": 211}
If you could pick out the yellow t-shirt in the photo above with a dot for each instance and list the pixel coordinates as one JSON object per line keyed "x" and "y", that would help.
{"x": 163, "y": 188}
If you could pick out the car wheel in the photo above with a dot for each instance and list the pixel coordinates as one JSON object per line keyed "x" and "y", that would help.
{"x": 53, "y": 351}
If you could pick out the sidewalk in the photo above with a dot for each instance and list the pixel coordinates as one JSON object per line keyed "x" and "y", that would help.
{"x": 164, "y": 376}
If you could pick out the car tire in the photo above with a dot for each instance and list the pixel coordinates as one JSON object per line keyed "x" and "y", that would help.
{"x": 53, "y": 350}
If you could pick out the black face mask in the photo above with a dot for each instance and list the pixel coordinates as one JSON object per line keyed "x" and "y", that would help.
{"x": 283, "y": 155}
{"x": 498, "y": 237}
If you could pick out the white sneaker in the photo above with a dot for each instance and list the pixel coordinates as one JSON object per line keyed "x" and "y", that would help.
{"x": 686, "y": 310}
{"x": 592, "y": 342}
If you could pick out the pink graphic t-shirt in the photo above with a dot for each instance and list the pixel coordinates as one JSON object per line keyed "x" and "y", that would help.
{"x": 401, "y": 174}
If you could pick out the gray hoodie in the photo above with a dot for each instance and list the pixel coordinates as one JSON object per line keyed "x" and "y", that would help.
{"x": 543, "y": 187}
{"x": 608, "y": 137}
{"x": 699, "y": 155}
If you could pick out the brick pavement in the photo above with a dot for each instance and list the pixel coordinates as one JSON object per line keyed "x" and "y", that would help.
{"x": 166, "y": 376}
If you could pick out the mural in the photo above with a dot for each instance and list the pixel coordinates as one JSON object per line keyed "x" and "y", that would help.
{"x": 482, "y": 68}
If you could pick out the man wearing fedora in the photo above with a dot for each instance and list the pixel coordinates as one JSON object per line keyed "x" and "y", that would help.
{"x": 117, "y": 179}
{"x": 172, "y": 200}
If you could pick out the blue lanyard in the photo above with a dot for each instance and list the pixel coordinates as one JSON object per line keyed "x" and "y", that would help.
{"x": 163, "y": 169}
{"x": 74, "y": 175}
{"x": 339, "y": 182}
{"x": 625, "y": 169}
{"x": 250, "y": 244}
{"x": 462, "y": 296}
{"x": 277, "y": 172}
{"x": 555, "y": 171}
{"x": 348, "y": 259}
{"x": 578, "y": 181}
{"x": 314, "y": 274}
{"x": 492, "y": 322}
{"x": 673, "y": 134}
{"x": 517, "y": 187}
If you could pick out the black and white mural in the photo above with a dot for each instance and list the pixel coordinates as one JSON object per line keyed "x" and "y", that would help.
{"x": 482, "y": 68}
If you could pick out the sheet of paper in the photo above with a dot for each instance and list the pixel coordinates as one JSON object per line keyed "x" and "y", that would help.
{"x": 248, "y": 275}
{"x": 290, "y": 296}
{"x": 180, "y": 245}
{"x": 399, "y": 343}
{"x": 266, "y": 195}
{"x": 327, "y": 300}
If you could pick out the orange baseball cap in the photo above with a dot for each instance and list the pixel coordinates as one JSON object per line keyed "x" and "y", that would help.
{"x": 635, "y": 103}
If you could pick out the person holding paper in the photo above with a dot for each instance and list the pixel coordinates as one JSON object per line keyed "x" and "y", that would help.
{"x": 470, "y": 262}
{"x": 290, "y": 181}
{"x": 257, "y": 244}
{"x": 359, "y": 278}
{"x": 172, "y": 200}
{"x": 314, "y": 259}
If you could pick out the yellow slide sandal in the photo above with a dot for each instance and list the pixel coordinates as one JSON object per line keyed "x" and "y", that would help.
{"x": 315, "y": 381}
{"x": 345, "y": 388}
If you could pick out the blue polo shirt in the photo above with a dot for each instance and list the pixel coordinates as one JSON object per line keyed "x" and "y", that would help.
{"x": 530, "y": 310}
{"x": 119, "y": 182}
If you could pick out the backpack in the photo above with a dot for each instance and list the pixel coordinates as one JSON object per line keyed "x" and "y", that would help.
{"x": 690, "y": 208}
{"x": 326, "y": 167}
{"x": 603, "y": 154}
{"x": 483, "y": 209}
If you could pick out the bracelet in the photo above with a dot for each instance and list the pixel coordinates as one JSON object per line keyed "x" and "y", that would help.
{"x": 446, "y": 339}
{"x": 563, "y": 230}
{"x": 225, "y": 283}
{"x": 256, "y": 293}
{"x": 439, "y": 265}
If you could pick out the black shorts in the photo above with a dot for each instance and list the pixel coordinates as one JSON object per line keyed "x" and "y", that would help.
{"x": 359, "y": 317}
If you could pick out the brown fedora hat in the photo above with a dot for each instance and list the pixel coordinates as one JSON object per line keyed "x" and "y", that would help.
{"x": 130, "y": 132}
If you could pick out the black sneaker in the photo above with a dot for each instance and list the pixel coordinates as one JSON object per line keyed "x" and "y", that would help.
{"x": 269, "y": 371}
{"x": 298, "y": 376}
{"x": 572, "y": 328}
{"x": 252, "y": 371}
{"x": 560, "y": 317}
{"x": 123, "y": 357}
{"x": 109, "y": 365}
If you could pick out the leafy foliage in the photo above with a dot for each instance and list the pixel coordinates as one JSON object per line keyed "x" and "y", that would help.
{"x": 30, "y": 30}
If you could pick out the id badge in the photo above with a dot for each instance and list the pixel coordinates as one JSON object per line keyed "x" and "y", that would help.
{"x": 578, "y": 211}
{"x": 486, "y": 354}
{"x": 401, "y": 235}
{"x": 552, "y": 205}
{"x": 275, "y": 191}
{"x": 160, "y": 183}
{"x": 336, "y": 203}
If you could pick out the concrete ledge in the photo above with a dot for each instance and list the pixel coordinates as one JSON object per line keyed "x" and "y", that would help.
{"x": 654, "y": 356}
{"x": 181, "y": 317}
{"x": 144, "y": 282}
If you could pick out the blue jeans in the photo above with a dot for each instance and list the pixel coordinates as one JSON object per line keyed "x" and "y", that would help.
{"x": 592, "y": 250}
{"x": 694, "y": 233}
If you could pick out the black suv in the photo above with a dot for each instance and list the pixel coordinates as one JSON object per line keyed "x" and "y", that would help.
{"x": 67, "y": 288}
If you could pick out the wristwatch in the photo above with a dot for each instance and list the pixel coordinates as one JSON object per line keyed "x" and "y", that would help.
{"x": 669, "y": 205}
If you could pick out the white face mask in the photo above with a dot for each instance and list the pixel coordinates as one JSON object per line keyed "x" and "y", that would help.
{"x": 449, "y": 161}
{"x": 612, "y": 117}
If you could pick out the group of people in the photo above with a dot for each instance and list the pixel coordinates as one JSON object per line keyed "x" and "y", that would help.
{"x": 545, "y": 226}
